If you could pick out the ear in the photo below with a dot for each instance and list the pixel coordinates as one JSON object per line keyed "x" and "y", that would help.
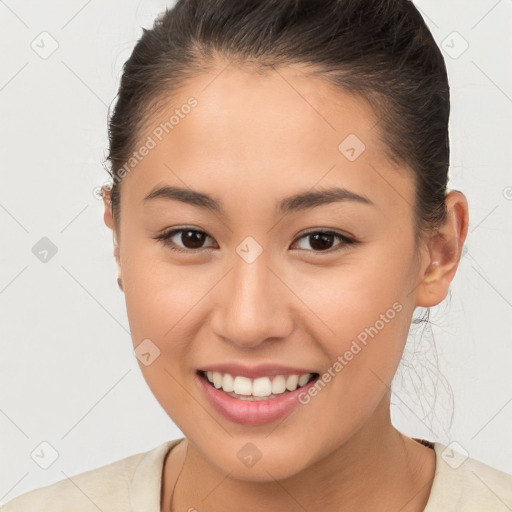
{"x": 108, "y": 217}
{"x": 444, "y": 252}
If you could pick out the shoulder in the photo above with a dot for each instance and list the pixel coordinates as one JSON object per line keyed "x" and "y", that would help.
{"x": 112, "y": 487}
{"x": 465, "y": 484}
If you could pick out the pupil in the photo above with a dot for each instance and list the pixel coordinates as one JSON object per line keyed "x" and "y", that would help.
{"x": 192, "y": 242}
{"x": 321, "y": 241}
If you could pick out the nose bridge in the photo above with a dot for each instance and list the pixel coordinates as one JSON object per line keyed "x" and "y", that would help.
{"x": 251, "y": 308}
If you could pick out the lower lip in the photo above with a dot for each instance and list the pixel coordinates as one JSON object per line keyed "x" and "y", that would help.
{"x": 255, "y": 412}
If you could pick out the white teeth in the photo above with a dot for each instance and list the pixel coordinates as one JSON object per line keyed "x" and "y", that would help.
{"x": 303, "y": 379}
{"x": 242, "y": 386}
{"x": 228, "y": 383}
{"x": 217, "y": 379}
{"x": 292, "y": 382}
{"x": 260, "y": 387}
{"x": 278, "y": 385}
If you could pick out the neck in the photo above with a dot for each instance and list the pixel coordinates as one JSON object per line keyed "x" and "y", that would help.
{"x": 377, "y": 468}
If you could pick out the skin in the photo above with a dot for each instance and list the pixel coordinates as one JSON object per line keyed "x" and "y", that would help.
{"x": 252, "y": 140}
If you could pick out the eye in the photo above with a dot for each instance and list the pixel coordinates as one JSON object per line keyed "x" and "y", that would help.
{"x": 322, "y": 241}
{"x": 191, "y": 239}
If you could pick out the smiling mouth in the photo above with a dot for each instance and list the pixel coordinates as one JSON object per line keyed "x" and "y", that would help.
{"x": 262, "y": 388}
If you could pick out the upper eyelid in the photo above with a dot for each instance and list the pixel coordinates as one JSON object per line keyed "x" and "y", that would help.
{"x": 323, "y": 230}
{"x": 300, "y": 235}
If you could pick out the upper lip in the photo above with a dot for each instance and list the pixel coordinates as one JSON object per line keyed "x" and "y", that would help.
{"x": 253, "y": 372}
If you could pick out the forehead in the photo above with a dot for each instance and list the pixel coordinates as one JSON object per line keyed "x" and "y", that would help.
{"x": 276, "y": 107}
{"x": 282, "y": 129}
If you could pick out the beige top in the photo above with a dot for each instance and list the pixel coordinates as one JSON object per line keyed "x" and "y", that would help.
{"x": 133, "y": 484}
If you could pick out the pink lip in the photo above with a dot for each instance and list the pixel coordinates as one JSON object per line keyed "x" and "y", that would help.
{"x": 262, "y": 370}
{"x": 253, "y": 413}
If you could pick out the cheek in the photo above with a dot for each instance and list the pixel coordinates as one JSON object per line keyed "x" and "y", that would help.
{"x": 165, "y": 303}
{"x": 353, "y": 295}
{"x": 157, "y": 292}
{"x": 365, "y": 311}
{"x": 160, "y": 300}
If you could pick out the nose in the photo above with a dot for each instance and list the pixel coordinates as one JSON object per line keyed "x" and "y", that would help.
{"x": 252, "y": 304}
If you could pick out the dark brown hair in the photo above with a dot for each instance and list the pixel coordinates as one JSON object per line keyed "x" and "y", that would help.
{"x": 378, "y": 49}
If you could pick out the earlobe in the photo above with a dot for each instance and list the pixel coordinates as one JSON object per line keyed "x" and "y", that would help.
{"x": 118, "y": 261}
{"x": 444, "y": 252}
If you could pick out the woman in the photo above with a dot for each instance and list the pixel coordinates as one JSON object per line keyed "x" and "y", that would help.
{"x": 279, "y": 206}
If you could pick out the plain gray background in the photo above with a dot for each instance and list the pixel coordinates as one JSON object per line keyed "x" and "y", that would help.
{"x": 68, "y": 374}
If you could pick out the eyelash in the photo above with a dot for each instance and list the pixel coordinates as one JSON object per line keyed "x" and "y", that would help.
{"x": 165, "y": 239}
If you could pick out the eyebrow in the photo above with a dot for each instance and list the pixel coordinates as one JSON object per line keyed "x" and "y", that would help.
{"x": 297, "y": 202}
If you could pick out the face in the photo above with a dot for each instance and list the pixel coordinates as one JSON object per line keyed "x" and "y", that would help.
{"x": 325, "y": 287}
